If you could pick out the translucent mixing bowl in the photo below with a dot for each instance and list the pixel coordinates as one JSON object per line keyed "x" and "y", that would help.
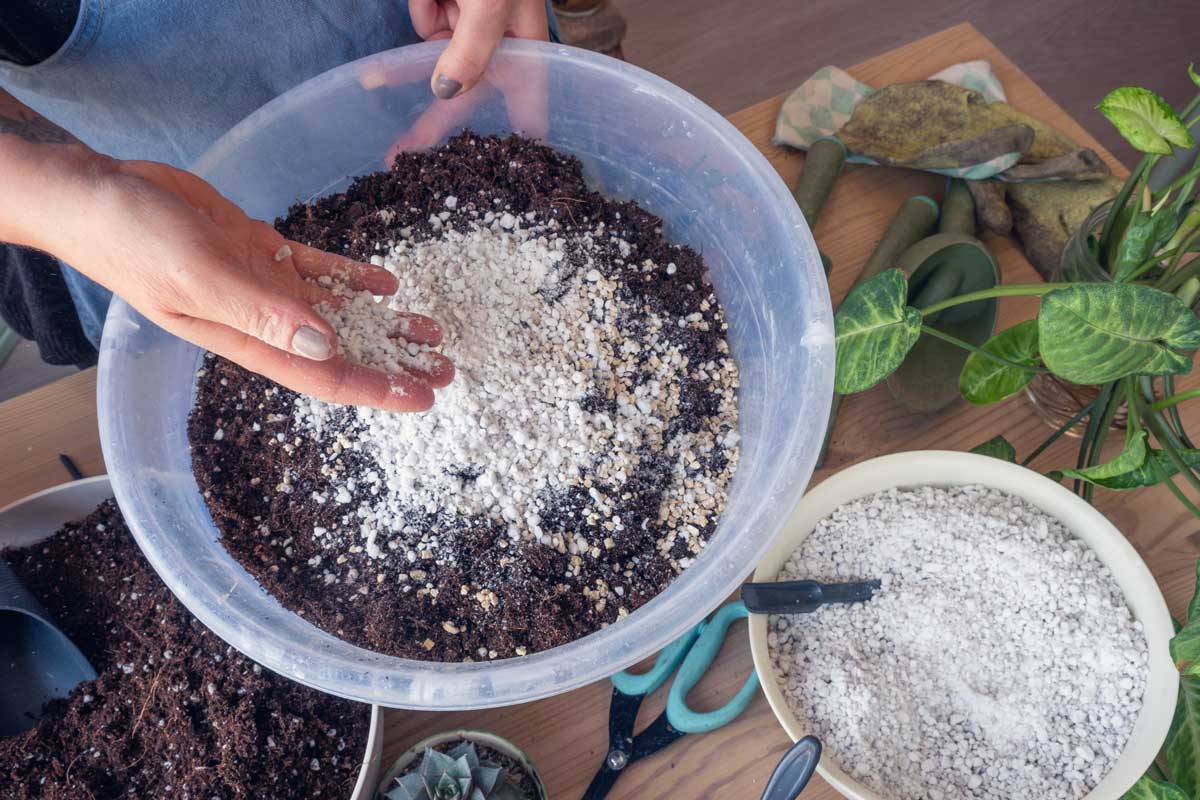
{"x": 640, "y": 138}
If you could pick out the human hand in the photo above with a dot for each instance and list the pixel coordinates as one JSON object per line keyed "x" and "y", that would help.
{"x": 475, "y": 28}
{"x": 195, "y": 264}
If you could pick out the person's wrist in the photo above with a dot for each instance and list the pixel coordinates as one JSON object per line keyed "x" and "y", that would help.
{"x": 56, "y": 192}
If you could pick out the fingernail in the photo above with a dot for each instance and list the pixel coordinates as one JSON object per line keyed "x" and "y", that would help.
{"x": 311, "y": 343}
{"x": 446, "y": 87}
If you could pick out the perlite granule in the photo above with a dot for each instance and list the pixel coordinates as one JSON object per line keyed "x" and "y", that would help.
{"x": 562, "y": 387}
{"x": 998, "y": 660}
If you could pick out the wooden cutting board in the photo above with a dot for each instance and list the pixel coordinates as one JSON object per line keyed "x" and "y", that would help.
{"x": 567, "y": 735}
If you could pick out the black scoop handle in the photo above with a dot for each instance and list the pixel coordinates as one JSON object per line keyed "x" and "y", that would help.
{"x": 803, "y": 597}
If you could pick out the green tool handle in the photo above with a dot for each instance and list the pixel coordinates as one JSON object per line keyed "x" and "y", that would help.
{"x": 822, "y": 165}
{"x": 958, "y": 209}
{"x": 914, "y": 221}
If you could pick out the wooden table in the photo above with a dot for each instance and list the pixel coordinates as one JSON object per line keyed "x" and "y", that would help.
{"x": 567, "y": 735}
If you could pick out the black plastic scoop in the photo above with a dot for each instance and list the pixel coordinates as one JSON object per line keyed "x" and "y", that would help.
{"x": 794, "y": 770}
{"x": 803, "y": 597}
{"x": 37, "y": 661}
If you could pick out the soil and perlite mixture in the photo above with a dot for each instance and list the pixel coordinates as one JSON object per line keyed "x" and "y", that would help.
{"x": 997, "y": 661}
{"x": 174, "y": 712}
{"x": 579, "y": 461}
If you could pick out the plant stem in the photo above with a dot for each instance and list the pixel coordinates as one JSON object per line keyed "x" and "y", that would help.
{"x": 1118, "y": 206}
{"x": 1151, "y": 262}
{"x": 1189, "y": 108}
{"x": 1182, "y": 179}
{"x": 945, "y": 337}
{"x": 1102, "y": 430}
{"x": 1175, "y": 490}
{"x": 1054, "y": 437}
{"x": 1188, "y": 292}
{"x": 1174, "y": 399}
{"x": 1173, "y": 278}
{"x": 1173, "y": 418}
{"x": 1170, "y": 444}
{"x": 1089, "y": 433}
{"x": 1005, "y": 290}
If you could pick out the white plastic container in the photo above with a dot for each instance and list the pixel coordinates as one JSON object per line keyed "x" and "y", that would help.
{"x": 640, "y": 138}
{"x": 946, "y": 468}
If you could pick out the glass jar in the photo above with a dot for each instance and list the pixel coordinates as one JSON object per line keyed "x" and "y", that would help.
{"x": 1056, "y": 400}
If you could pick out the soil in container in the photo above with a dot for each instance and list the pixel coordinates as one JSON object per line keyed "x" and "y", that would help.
{"x": 577, "y": 464}
{"x": 174, "y": 712}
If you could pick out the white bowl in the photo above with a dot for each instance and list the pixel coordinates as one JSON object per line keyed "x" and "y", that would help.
{"x": 38, "y": 516}
{"x": 948, "y": 468}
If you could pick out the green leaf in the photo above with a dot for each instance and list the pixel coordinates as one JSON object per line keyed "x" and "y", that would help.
{"x": 1185, "y": 649}
{"x": 1185, "y": 646}
{"x": 1193, "y": 610}
{"x": 408, "y": 787}
{"x": 875, "y": 331}
{"x": 1145, "y": 120}
{"x": 984, "y": 381}
{"x": 1141, "y": 239}
{"x": 1151, "y": 473}
{"x": 1192, "y": 74}
{"x": 1101, "y": 332}
{"x": 1149, "y": 789}
{"x": 1132, "y": 458}
{"x": 1182, "y": 747}
{"x": 997, "y": 447}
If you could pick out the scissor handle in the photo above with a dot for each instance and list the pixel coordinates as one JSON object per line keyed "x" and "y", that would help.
{"x": 668, "y": 659}
{"x": 695, "y": 664}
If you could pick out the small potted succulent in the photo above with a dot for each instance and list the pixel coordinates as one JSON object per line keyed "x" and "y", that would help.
{"x": 463, "y": 765}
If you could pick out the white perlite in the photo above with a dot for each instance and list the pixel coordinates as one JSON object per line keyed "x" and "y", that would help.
{"x": 997, "y": 661}
{"x": 532, "y": 326}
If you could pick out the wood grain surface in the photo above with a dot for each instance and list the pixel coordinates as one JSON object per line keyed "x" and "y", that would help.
{"x": 567, "y": 735}
{"x": 731, "y": 54}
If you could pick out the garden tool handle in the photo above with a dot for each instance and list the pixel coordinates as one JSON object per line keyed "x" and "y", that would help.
{"x": 958, "y": 209}
{"x": 803, "y": 597}
{"x": 914, "y": 220}
{"x": 670, "y": 657}
{"x": 794, "y": 771}
{"x": 822, "y": 165}
{"x": 695, "y": 664}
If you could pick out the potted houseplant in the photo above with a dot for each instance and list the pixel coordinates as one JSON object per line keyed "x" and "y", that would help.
{"x": 463, "y": 765}
{"x": 1118, "y": 316}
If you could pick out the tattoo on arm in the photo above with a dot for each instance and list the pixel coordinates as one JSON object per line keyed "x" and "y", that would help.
{"x": 20, "y": 120}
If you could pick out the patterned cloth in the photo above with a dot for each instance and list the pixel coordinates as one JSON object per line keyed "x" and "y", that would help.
{"x": 820, "y": 106}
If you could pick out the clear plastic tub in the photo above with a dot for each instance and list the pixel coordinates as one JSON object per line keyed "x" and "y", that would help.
{"x": 640, "y": 138}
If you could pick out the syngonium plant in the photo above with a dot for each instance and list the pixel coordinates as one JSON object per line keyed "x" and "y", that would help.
{"x": 1175, "y": 774}
{"x": 1131, "y": 335}
{"x": 458, "y": 775}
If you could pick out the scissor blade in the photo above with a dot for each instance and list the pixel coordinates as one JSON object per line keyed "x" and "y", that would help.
{"x": 655, "y": 737}
{"x": 602, "y": 783}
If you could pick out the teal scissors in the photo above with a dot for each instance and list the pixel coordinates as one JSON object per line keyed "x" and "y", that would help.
{"x": 692, "y": 654}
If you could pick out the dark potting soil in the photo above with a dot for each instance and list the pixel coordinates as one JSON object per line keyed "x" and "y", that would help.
{"x": 495, "y": 598}
{"x": 514, "y": 772}
{"x": 175, "y": 713}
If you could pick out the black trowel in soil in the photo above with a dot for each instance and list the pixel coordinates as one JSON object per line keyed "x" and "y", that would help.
{"x": 38, "y": 663}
